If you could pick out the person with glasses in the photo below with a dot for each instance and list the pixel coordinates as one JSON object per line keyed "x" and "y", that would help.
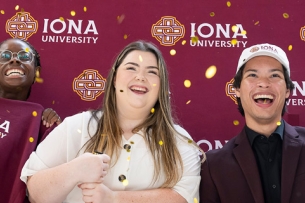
{"x": 23, "y": 124}
{"x": 129, "y": 150}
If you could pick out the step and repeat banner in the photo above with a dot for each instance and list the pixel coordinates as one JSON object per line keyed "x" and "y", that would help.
{"x": 201, "y": 42}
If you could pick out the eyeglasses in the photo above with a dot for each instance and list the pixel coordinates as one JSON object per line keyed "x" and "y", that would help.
{"x": 22, "y": 56}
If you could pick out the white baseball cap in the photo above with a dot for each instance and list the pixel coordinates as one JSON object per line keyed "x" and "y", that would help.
{"x": 263, "y": 50}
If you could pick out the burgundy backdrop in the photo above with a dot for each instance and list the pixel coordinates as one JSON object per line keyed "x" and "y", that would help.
{"x": 199, "y": 31}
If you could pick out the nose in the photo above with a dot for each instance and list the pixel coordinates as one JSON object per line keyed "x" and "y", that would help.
{"x": 14, "y": 59}
{"x": 140, "y": 77}
{"x": 263, "y": 83}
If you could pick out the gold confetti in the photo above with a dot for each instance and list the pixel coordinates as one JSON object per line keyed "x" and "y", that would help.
{"x": 244, "y": 32}
{"x": 16, "y": 7}
{"x": 172, "y": 52}
{"x": 131, "y": 142}
{"x": 234, "y": 28}
{"x": 152, "y": 110}
{"x": 121, "y": 91}
{"x": 187, "y": 83}
{"x": 286, "y": 15}
{"x": 278, "y": 123}
{"x": 53, "y": 102}
{"x": 125, "y": 182}
{"x": 37, "y": 74}
{"x": 79, "y": 131}
{"x": 72, "y": 13}
{"x": 140, "y": 58}
{"x": 256, "y": 23}
{"x": 34, "y": 113}
{"x": 234, "y": 41}
{"x": 61, "y": 19}
{"x": 195, "y": 200}
{"x": 39, "y": 80}
{"x": 125, "y": 36}
{"x": 85, "y": 9}
{"x": 183, "y": 42}
{"x": 212, "y": 14}
{"x": 121, "y": 18}
{"x": 31, "y": 139}
{"x": 160, "y": 142}
{"x": 154, "y": 85}
{"x": 2, "y": 12}
{"x": 210, "y": 72}
{"x": 228, "y": 4}
{"x": 128, "y": 158}
{"x": 290, "y": 47}
{"x": 236, "y": 122}
{"x": 27, "y": 49}
{"x": 190, "y": 141}
{"x": 189, "y": 101}
{"x": 194, "y": 39}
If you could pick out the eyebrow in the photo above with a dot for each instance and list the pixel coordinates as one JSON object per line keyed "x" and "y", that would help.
{"x": 272, "y": 70}
{"x": 135, "y": 64}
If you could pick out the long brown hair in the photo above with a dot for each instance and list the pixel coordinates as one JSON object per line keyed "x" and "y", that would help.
{"x": 158, "y": 126}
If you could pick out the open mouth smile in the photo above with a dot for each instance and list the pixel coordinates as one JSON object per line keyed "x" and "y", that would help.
{"x": 263, "y": 98}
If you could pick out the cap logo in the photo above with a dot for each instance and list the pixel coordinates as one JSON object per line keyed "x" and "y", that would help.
{"x": 254, "y": 49}
{"x": 269, "y": 48}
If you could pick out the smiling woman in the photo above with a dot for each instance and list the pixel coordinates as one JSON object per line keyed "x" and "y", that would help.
{"x": 21, "y": 122}
{"x": 145, "y": 154}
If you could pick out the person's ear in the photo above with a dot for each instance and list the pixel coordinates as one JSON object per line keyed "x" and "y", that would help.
{"x": 237, "y": 92}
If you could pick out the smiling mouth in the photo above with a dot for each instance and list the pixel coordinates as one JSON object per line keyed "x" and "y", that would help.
{"x": 263, "y": 99}
{"x": 14, "y": 72}
{"x": 140, "y": 90}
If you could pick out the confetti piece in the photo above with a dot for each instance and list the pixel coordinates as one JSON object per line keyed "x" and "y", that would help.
{"x": 79, "y": 131}
{"x": 187, "y": 83}
{"x": 125, "y": 182}
{"x": 72, "y": 13}
{"x": 131, "y": 142}
{"x": 2, "y": 12}
{"x": 189, "y": 101}
{"x": 228, "y": 4}
{"x": 154, "y": 85}
{"x": 128, "y": 158}
{"x": 290, "y": 47}
{"x": 125, "y": 36}
{"x": 183, "y": 42}
{"x": 121, "y": 18}
{"x": 244, "y": 32}
{"x": 278, "y": 123}
{"x": 53, "y": 102}
{"x": 195, "y": 200}
{"x": 31, "y": 139}
{"x": 121, "y": 91}
{"x": 16, "y": 7}
{"x": 210, "y": 72}
{"x": 172, "y": 52}
{"x": 140, "y": 58}
{"x": 152, "y": 110}
{"x": 234, "y": 41}
{"x": 61, "y": 19}
{"x": 194, "y": 39}
{"x": 34, "y": 113}
{"x": 27, "y": 49}
{"x": 234, "y": 28}
{"x": 286, "y": 15}
{"x": 212, "y": 14}
{"x": 190, "y": 141}
{"x": 37, "y": 74}
{"x": 256, "y": 23}
{"x": 85, "y": 9}
{"x": 39, "y": 80}
{"x": 160, "y": 142}
{"x": 8, "y": 111}
{"x": 236, "y": 122}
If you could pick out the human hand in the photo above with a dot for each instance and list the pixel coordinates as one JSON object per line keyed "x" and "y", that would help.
{"x": 49, "y": 117}
{"x": 90, "y": 168}
{"x": 97, "y": 193}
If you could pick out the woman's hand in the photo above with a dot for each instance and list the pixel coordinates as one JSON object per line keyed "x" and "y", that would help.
{"x": 49, "y": 117}
{"x": 97, "y": 193}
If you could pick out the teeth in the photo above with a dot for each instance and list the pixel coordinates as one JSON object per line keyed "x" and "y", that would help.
{"x": 16, "y": 71}
{"x": 263, "y": 96}
{"x": 139, "y": 89}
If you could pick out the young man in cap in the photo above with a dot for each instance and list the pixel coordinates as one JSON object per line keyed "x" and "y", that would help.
{"x": 266, "y": 161}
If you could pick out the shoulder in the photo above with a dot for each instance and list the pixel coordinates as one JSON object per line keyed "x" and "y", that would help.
{"x": 182, "y": 131}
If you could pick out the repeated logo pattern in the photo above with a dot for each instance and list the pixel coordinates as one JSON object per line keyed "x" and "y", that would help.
{"x": 230, "y": 90}
{"x": 89, "y": 85}
{"x": 22, "y": 26}
{"x": 302, "y": 33}
{"x": 168, "y": 31}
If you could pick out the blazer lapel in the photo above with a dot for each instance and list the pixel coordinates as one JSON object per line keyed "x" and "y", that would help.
{"x": 245, "y": 158}
{"x": 291, "y": 152}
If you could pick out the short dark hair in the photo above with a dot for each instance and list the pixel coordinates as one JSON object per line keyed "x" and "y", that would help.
{"x": 237, "y": 81}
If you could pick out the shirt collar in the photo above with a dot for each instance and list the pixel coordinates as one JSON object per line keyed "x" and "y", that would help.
{"x": 251, "y": 134}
